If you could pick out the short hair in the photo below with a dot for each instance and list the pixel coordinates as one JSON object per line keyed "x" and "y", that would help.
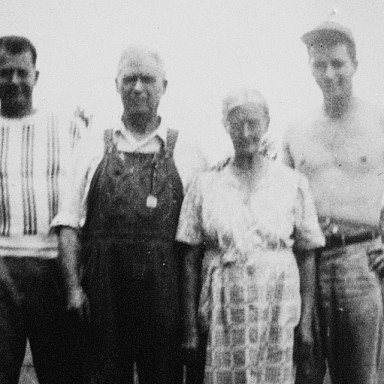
{"x": 136, "y": 49}
{"x": 16, "y": 45}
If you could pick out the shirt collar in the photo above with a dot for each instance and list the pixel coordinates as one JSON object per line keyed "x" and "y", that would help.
{"x": 120, "y": 129}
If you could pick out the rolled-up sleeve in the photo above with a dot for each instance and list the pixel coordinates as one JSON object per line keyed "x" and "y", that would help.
{"x": 72, "y": 209}
{"x": 308, "y": 234}
{"x": 190, "y": 228}
{"x": 189, "y": 160}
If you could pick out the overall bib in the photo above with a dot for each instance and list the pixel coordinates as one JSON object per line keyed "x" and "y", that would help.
{"x": 131, "y": 266}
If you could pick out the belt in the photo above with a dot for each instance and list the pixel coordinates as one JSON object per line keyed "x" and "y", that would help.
{"x": 339, "y": 240}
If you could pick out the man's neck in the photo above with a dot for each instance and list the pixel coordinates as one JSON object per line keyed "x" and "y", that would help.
{"x": 338, "y": 107}
{"x": 141, "y": 128}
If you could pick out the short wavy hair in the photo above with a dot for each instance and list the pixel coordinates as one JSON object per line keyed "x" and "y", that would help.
{"x": 16, "y": 45}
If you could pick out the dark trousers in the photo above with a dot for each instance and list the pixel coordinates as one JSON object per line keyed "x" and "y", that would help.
{"x": 32, "y": 307}
{"x": 351, "y": 314}
{"x": 133, "y": 292}
{"x": 195, "y": 368}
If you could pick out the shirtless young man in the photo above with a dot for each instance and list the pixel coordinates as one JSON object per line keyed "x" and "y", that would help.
{"x": 340, "y": 148}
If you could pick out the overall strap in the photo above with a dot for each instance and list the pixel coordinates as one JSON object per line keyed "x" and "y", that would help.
{"x": 108, "y": 141}
{"x": 172, "y": 135}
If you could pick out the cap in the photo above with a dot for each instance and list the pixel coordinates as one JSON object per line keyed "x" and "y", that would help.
{"x": 329, "y": 30}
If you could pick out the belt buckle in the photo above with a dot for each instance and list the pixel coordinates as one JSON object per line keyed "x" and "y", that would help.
{"x": 338, "y": 237}
{"x": 342, "y": 237}
{"x": 374, "y": 234}
{"x": 335, "y": 238}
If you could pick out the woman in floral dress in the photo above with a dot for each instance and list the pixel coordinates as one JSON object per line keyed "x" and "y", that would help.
{"x": 247, "y": 216}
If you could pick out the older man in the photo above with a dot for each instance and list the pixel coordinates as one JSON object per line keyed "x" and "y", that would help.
{"x": 132, "y": 185}
{"x": 35, "y": 148}
{"x": 340, "y": 147}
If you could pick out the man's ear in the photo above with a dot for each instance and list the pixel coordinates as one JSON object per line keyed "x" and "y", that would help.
{"x": 226, "y": 125}
{"x": 117, "y": 85}
{"x": 165, "y": 84}
{"x": 37, "y": 74}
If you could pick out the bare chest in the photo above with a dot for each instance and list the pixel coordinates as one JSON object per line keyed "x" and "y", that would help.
{"x": 359, "y": 153}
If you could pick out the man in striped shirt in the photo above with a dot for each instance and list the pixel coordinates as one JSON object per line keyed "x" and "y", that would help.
{"x": 34, "y": 153}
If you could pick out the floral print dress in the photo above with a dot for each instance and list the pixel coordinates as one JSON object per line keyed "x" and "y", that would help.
{"x": 250, "y": 298}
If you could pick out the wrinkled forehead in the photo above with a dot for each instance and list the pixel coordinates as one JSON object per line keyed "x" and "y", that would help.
{"x": 336, "y": 50}
{"x": 140, "y": 61}
{"x": 248, "y": 111}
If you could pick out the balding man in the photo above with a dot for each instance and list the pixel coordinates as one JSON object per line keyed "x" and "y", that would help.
{"x": 123, "y": 209}
{"x": 340, "y": 148}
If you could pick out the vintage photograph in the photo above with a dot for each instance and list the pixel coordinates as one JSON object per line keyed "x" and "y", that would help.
{"x": 192, "y": 192}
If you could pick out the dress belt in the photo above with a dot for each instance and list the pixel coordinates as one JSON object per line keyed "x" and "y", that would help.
{"x": 339, "y": 240}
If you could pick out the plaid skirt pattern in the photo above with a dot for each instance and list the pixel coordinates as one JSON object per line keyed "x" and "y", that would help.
{"x": 250, "y": 308}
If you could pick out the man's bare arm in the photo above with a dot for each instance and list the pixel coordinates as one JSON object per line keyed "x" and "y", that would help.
{"x": 69, "y": 253}
{"x": 307, "y": 271}
{"x": 190, "y": 288}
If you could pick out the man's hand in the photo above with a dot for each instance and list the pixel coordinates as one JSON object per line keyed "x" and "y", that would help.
{"x": 78, "y": 304}
{"x": 376, "y": 260}
{"x": 305, "y": 341}
{"x": 304, "y": 345}
{"x": 190, "y": 345}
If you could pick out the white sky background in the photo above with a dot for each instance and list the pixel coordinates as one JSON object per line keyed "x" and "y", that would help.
{"x": 209, "y": 46}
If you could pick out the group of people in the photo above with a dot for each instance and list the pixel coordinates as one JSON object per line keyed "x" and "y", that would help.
{"x": 124, "y": 256}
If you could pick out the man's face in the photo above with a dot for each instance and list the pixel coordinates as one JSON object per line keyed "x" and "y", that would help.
{"x": 18, "y": 77}
{"x": 140, "y": 84}
{"x": 246, "y": 126}
{"x": 333, "y": 69}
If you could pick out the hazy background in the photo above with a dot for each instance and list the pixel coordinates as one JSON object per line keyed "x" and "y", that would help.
{"x": 210, "y": 47}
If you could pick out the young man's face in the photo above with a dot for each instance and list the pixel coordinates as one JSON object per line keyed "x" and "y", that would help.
{"x": 333, "y": 69}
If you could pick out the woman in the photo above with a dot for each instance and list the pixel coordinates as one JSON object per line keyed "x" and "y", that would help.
{"x": 248, "y": 215}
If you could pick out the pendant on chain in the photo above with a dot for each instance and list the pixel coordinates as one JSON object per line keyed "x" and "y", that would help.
{"x": 151, "y": 201}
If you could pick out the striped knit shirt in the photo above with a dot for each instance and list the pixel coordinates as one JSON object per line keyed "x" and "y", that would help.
{"x": 34, "y": 158}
